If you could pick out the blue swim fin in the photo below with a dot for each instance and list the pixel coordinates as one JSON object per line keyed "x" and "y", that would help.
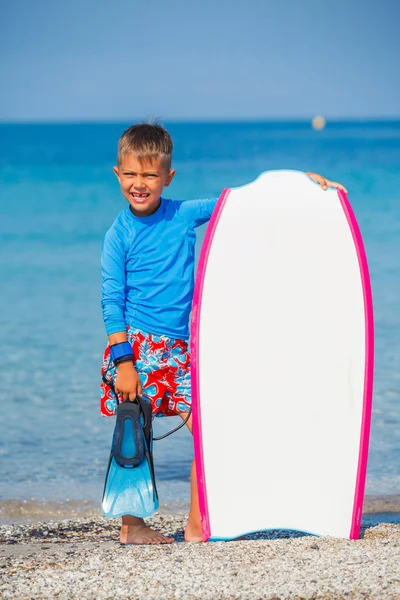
{"x": 130, "y": 487}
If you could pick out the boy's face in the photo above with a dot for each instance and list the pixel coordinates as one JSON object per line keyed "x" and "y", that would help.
{"x": 142, "y": 182}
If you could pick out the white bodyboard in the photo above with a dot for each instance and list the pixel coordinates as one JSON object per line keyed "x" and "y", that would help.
{"x": 282, "y": 345}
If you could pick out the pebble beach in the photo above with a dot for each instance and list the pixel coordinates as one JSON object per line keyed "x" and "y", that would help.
{"x": 82, "y": 558}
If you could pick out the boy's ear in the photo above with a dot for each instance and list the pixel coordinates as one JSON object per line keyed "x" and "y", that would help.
{"x": 170, "y": 177}
{"x": 116, "y": 172}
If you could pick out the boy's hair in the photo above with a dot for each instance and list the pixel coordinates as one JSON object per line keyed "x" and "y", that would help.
{"x": 146, "y": 140}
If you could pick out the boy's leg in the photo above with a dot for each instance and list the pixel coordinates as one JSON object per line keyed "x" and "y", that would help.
{"x": 135, "y": 531}
{"x": 193, "y": 531}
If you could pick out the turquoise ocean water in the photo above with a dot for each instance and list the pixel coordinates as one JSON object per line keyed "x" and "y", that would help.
{"x": 58, "y": 196}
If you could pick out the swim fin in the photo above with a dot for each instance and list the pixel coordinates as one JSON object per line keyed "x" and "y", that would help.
{"x": 130, "y": 487}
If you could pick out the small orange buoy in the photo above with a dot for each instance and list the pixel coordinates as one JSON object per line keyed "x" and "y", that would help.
{"x": 318, "y": 123}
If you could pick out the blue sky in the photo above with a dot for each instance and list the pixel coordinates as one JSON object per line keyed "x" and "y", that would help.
{"x": 123, "y": 59}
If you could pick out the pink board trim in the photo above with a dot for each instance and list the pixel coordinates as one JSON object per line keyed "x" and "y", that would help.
{"x": 369, "y": 368}
{"x": 194, "y": 364}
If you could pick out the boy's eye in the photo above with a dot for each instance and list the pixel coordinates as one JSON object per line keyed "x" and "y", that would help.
{"x": 151, "y": 175}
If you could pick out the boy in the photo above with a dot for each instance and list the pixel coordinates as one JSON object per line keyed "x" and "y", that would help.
{"x": 147, "y": 288}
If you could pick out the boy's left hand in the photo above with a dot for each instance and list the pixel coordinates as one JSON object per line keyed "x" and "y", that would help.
{"x": 325, "y": 183}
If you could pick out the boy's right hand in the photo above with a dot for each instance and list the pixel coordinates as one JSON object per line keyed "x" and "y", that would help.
{"x": 127, "y": 383}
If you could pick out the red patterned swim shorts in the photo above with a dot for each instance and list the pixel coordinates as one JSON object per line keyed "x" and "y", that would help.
{"x": 163, "y": 365}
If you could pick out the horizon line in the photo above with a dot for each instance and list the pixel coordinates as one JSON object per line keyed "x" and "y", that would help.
{"x": 202, "y": 120}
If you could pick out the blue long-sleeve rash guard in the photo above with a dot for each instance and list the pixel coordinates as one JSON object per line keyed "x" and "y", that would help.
{"x": 148, "y": 268}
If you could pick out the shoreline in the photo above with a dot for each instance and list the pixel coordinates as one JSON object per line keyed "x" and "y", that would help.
{"x": 30, "y": 510}
{"x": 82, "y": 558}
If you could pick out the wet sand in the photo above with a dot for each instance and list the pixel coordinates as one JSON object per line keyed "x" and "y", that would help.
{"x": 30, "y": 510}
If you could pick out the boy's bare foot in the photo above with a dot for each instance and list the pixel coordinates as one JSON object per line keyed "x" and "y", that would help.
{"x": 193, "y": 532}
{"x": 142, "y": 534}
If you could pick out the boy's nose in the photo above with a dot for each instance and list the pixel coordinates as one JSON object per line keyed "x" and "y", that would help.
{"x": 138, "y": 184}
